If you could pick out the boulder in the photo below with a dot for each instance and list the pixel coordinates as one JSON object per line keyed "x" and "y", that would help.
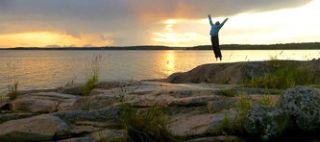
{"x": 105, "y": 135}
{"x": 13, "y": 116}
{"x": 43, "y": 102}
{"x": 38, "y": 128}
{"x": 5, "y": 106}
{"x": 24, "y": 92}
{"x": 94, "y": 102}
{"x": 302, "y": 104}
{"x": 221, "y": 73}
{"x": 78, "y": 139}
{"x": 236, "y": 73}
{"x": 221, "y": 104}
{"x": 197, "y": 124}
{"x": 86, "y": 127}
{"x": 190, "y": 125}
{"x": 165, "y": 100}
{"x": 195, "y": 101}
{"x": 150, "y": 100}
{"x": 101, "y": 115}
{"x": 217, "y": 139}
{"x": 74, "y": 89}
{"x": 108, "y": 135}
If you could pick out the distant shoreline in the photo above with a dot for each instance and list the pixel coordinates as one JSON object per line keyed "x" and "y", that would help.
{"x": 287, "y": 46}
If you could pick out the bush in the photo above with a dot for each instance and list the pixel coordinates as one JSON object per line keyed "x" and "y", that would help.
{"x": 145, "y": 125}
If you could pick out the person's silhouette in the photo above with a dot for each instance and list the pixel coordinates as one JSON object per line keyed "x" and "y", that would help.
{"x": 215, "y": 28}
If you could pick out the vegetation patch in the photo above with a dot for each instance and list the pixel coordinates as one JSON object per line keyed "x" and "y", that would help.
{"x": 13, "y": 90}
{"x": 224, "y": 128}
{"x": 283, "y": 77}
{"x": 235, "y": 126}
{"x": 228, "y": 92}
{"x": 266, "y": 101}
{"x": 94, "y": 77}
{"x": 145, "y": 125}
{"x": 86, "y": 89}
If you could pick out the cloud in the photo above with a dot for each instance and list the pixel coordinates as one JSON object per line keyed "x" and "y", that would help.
{"x": 129, "y": 21}
{"x": 197, "y": 8}
{"x": 5, "y": 3}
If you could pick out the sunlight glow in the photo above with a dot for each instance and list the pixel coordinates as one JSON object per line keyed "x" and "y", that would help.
{"x": 170, "y": 62}
{"x": 51, "y": 39}
{"x": 280, "y": 26}
{"x": 171, "y": 36}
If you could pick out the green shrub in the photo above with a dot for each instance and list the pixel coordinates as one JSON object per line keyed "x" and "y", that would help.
{"x": 145, "y": 125}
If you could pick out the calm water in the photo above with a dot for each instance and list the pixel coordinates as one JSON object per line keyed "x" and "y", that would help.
{"x": 48, "y": 69}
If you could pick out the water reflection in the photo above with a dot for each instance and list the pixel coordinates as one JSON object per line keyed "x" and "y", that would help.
{"x": 48, "y": 69}
{"x": 170, "y": 57}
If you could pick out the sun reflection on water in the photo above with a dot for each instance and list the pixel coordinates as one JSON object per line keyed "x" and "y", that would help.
{"x": 170, "y": 58}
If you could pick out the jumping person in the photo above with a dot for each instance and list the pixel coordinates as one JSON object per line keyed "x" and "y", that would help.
{"x": 215, "y": 28}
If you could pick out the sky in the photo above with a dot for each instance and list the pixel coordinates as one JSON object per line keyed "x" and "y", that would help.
{"x": 94, "y": 23}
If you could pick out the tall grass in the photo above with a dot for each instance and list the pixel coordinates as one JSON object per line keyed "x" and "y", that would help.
{"x": 235, "y": 126}
{"x": 94, "y": 76}
{"x": 13, "y": 90}
{"x": 283, "y": 77}
{"x": 145, "y": 125}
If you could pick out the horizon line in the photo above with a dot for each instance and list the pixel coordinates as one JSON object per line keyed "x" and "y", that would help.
{"x": 234, "y": 44}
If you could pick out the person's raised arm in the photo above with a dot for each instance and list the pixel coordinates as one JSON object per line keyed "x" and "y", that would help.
{"x": 225, "y": 20}
{"x": 210, "y": 20}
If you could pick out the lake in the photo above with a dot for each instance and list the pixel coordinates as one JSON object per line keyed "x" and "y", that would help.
{"x": 49, "y": 69}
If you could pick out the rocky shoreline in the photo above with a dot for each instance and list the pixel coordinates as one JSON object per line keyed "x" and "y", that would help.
{"x": 201, "y": 108}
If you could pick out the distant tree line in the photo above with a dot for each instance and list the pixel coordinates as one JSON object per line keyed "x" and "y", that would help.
{"x": 287, "y": 46}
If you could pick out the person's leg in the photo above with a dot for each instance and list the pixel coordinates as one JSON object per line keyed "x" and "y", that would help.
{"x": 218, "y": 49}
{"x": 214, "y": 46}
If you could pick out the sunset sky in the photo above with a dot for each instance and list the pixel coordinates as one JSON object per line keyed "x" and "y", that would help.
{"x": 60, "y": 23}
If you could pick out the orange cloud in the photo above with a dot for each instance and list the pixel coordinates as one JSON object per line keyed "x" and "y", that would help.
{"x": 43, "y": 39}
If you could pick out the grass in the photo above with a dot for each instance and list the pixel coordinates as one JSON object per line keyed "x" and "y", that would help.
{"x": 228, "y": 92}
{"x": 86, "y": 89}
{"x": 266, "y": 101}
{"x": 315, "y": 86}
{"x": 3, "y": 98}
{"x": 236, "y": 126}
{"x": 224, "y": 128}
{"x": 94, "y": 77}
{"x": 104, "y": 138}
{"x": 145, "y": 125}
{"x": 13, "y": 90}
{"x": 243, "y": 106}
{"x": 283, "y": 77}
